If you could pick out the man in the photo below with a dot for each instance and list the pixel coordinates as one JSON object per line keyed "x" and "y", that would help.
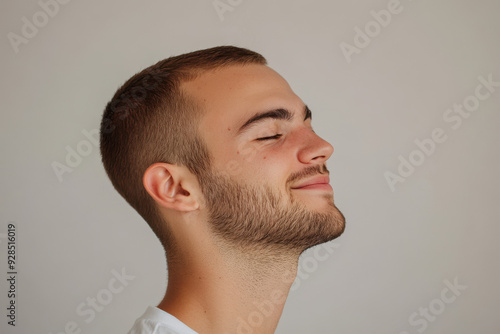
{"x": 217, "y": 154}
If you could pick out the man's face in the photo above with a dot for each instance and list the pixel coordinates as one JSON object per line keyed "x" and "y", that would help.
{"x": 268, "y": 183}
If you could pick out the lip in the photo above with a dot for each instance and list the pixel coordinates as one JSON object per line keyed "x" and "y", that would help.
{"x": 320, "y": 182}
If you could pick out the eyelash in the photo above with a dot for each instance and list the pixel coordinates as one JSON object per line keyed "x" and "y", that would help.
{"x": 276, "y": 136}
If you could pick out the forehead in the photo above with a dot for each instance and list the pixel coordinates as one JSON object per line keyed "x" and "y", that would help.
{"x": 232, "y": 94}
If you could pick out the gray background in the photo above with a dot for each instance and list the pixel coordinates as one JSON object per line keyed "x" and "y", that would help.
{"x": 399, "y": 247}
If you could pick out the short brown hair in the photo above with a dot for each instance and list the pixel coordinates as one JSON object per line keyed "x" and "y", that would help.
{"x": 149, "y": 120}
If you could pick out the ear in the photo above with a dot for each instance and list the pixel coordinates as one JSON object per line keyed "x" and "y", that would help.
{"x": 171, "y": 186}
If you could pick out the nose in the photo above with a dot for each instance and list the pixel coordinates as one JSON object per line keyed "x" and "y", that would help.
{"x": 314, "y": 149}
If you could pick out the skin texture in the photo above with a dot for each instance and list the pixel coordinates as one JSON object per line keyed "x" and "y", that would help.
{"x": 240, "y": 227}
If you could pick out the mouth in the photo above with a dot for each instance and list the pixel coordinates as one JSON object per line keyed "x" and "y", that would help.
{"x": 317, "y": 183}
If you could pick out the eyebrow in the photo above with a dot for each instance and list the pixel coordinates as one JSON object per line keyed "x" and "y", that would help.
{"x": 279, "y": 113}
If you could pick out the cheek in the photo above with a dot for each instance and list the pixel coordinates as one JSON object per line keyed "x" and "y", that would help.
{"x": 269, "y": 162}
{"x": 272, "y": 167}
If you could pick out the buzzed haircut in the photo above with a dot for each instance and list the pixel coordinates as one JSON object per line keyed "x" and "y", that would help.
{"x": 150, "y": 120}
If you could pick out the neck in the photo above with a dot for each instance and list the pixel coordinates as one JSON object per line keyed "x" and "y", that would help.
{"x": 228, "y": 289}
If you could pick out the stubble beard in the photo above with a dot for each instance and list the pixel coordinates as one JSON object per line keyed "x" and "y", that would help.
{"x": 257, "y": 217}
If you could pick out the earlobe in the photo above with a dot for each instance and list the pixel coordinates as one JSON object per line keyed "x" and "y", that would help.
{"x": 167, "y": 184}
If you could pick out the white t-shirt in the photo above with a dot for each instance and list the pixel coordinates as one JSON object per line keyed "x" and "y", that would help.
{"x": 156, "y": 321}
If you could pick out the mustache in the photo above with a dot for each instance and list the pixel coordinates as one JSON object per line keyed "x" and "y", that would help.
{"x": 309, "y": 171}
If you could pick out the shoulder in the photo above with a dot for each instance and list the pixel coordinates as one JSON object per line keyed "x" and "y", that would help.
{"x": 156, "y": 321}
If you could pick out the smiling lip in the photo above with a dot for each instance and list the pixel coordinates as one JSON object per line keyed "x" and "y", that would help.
{"x": 321, "y": 182}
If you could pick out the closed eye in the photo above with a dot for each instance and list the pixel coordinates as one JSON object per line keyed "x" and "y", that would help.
{"x": 276, "y": 136}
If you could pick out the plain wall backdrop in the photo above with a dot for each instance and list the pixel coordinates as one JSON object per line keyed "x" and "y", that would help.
{"x": 408, "y": 93}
